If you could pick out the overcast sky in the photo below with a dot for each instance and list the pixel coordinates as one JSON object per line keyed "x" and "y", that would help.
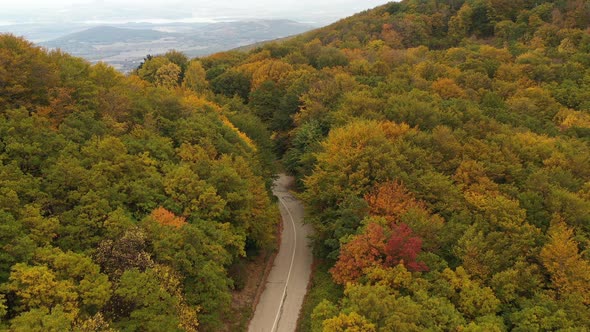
{"x": 62, "y": 11}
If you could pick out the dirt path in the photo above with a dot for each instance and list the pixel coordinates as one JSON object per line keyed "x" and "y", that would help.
{"x": 286, "y": 285}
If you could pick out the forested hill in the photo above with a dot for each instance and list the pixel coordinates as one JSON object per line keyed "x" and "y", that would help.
{"x": 443, "y": 154}
{"x": 442, "y": 150}
{"x": 123, "y": 204}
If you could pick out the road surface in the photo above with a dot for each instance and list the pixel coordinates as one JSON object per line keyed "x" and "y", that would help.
{"x": 281, "y": 300}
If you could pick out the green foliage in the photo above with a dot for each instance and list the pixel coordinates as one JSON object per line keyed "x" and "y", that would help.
{"x": 27, "y": 75}
{"x": 319, "y": 301}
{"x": 462, "y": 123}
{"x": 41, "y": 320}
{"x": 86, "y": 156}
{"x": 2, "y": 306}
{"x": 17, "y": 246}
{"x": 155, "y": 306}
{"x": 149, "y": 69}
{"x": 195, "y": 77}
{"x": 479, "y": 110}
{"x": 232, "y": 83}
{"x": 265, "y": 100}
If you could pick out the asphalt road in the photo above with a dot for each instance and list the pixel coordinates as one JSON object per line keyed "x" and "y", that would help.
{"x": 286, "y": 285}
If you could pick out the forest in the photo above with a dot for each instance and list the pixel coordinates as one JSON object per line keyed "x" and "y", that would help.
{"x": 124, "y": 204}
{"x": 441, "y": 149}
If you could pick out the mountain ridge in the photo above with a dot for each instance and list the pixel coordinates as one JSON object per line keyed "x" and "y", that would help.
{"x": 125, "y": 46}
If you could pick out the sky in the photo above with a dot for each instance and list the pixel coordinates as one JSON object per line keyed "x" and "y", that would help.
{"x": 121, "y": 11}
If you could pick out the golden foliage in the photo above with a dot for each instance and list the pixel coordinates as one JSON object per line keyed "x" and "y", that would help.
{"x": 167, "y": 218}
{"x": 569, "y": 271}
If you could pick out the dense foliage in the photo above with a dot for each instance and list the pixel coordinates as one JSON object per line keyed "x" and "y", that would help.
{"x": 443, "y": 151}
{"x": 124, "y": 201}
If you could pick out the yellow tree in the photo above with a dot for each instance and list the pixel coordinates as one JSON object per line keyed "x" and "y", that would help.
{"x": 167, "y": 75}
{"x": 352, "y": 322}
{"x": 448, "y": 89}
{"x": 569, "y": 272}
{"x": 273, "y": 70}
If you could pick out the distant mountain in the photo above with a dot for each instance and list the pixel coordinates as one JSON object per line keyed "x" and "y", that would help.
{"x": 107, "y": 35}
{"x": 258, "y": 28}
{"x": 124, "y": 46}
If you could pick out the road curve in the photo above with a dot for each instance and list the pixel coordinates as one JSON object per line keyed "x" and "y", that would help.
{"x": 281, "y": 300}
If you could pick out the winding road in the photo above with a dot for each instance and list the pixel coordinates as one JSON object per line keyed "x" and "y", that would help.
{"x": 281, "y": 300}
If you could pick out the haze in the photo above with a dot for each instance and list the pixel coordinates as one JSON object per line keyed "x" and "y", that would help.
{"x": 122, "y": 32}
{"x": 124, "y": 11}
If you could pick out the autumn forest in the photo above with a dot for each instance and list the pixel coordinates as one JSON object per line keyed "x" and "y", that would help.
{"x": 441, "y": 149}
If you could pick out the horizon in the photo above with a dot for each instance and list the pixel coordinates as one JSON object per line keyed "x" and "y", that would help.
{"x": 89, "y": 12}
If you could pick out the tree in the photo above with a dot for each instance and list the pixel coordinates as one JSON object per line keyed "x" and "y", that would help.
{"x": 130, "y": 251}
{"x": 37, "y": 287}
{"x": 198, "y": 253}
{"x": 61, "y": 104}
{"x": 3, "y": 306}
{"x": 323, "y": 311}
{"x": 16, "y": 245}
{"x": 149, "y": 68}
{"x": 378, "y": 246}
{"x": 86, "y": 152}
{"x": 363, "y": 251}
{"x": 270, "y": 70}
{"x": 498, "y": 238}
{"x": 194, "y": 198}
{"x": 353, "y": 159}
{"x": 42, "y": 320}
{"x": 167, "y": 218}
{"x": 27, "y": 74}
{"x": 470, "y": 298}
{"x": 195, "y": 77}
{"x": 232, "y": 82}
{"x": 569, "y": 271}
{"x": 179, "y": 59}
{"x": 447, "y": 88}
{"x": 393, "y": 299}
{"x": 404, "y": 248}
{"x": 92, "y": 288}
{"x": 154, "y": 303}
{"x": 168, "y": 75}
{"x": 265, "y": 100}
{"x": 42, "y": 230}
{"x": 391, "y": 200}
{"x": 352, "y": 322}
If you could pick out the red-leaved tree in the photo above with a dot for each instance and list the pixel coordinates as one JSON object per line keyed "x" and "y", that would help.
{"x": 403, "y": 247}
{"x": 378, "y": 246}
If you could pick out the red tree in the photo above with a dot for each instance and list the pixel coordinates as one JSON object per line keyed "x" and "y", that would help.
{"x": 403, "y": 247}
{"x": 378, "y": 246}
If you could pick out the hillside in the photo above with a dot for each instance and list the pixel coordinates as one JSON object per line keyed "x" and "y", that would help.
{"x": 442, "y": 151}
{"x": 126, "y": 45}
{"x": 123, "y": 205}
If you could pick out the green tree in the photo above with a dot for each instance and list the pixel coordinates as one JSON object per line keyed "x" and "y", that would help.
{"x": 265, "y": 100}
{"x": 231, "y": 83}
{"x": 16, "y": 245}
{"x": 153, "y": 303}
{"x": 149, "y": 69}
{"x": 41, "y": 320}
